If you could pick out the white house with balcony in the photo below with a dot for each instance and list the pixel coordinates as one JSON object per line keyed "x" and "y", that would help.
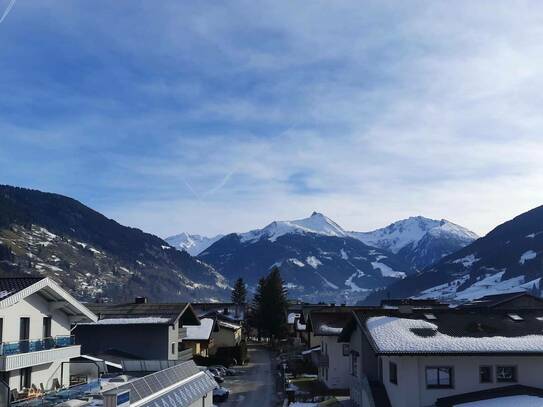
{"x": 36, "y": 345}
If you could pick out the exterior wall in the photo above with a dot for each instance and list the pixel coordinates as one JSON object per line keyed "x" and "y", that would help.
{"x": 411, "y": 388}
{"x": 151, "y": 342}
{"x": 173, "y": 340}
{"x": 36, "y": 308}
{"x": 336, "y": 376}
{"x": 226, "y": 338}
{"x": 204, "y": 402}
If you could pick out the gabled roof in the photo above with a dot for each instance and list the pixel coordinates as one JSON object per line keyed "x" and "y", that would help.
{"x": 144, "y": 313}
{"x": 491, "y": 301}
{"x": 201, "y": 332}
{"x": 325, "y": 323}
{"x": 451, "y": 332}
{"x": 228, "y": 325}
{"x": 15, "y": 289}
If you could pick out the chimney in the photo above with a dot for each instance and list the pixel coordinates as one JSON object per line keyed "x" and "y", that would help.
{"x": 140, "y": 300}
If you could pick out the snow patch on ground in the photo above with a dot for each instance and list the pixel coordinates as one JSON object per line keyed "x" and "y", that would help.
{"x": 328, "y": 283}
{"x": 467, "y": 261}
{"x": 296, "y": 262}
{"x": 353, "y": 286}
{"x": 387, "y": 271}
{"x": 313, "y": 262}
{"x": 526, "y": 256}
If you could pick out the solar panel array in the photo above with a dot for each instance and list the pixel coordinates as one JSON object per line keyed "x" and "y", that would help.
{"x": 186, "y": 394}
{"x": 155, "y": 382}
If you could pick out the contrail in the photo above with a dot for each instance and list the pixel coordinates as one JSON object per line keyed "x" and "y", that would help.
{"x": 192, "y": 189}
{"x": 7, "y": 10}
{"x": 220, "y": 185}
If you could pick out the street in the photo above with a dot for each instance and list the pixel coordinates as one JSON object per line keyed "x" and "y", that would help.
{"x": 254, "y": 384}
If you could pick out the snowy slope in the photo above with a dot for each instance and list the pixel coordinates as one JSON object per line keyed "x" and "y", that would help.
{"x": 317, "y": 223}
{"x": 411, "y": 231}
{"x": 508, "y": 259}
{"x": 193, "y": 244}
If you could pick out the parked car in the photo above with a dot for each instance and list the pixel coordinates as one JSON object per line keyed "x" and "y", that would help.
{"x": 221, "y": 370}
{"x": 220, "y": 394}
{"x": 225, "y": 370}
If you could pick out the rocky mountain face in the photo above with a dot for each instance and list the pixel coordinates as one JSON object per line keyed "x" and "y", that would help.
{"x": 508, "y": 259}
{"x": 95, "y": 257}
{"x": 319, "y": 260}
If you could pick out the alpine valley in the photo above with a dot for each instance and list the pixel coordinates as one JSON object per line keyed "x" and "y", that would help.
{"x": 321, "y": 261}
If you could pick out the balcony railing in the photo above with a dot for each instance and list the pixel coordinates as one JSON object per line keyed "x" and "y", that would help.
{"x": 35, "y": 345}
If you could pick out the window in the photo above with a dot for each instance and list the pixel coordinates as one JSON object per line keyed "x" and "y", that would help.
{"x": 1, "y": 330}
{"x": 439, "y": 377}
{"x": 25, "y": 376}
{"x": 506, "y": 374}
{"x": 354, "y": 364}
{"x": 346, "y": 349}
{"x": 485, "y": 374}
{"x": 46, "y": 327}
{"x": 173, "y": 348}
{"x": 393, "y": 372}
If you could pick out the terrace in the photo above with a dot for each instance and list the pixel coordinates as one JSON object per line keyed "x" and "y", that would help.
{"x": 19, "y": 354}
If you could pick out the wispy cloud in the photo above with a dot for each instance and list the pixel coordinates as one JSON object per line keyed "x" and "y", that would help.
{"x": 226, "y": 116}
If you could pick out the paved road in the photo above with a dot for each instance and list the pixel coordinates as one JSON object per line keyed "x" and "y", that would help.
{"x": 255, "y": 385}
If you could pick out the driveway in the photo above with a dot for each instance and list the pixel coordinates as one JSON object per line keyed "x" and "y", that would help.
{"x": 255, "y": 384}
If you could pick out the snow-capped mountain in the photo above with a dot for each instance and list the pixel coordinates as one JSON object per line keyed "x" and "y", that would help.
{"x": 418, "y": 240}
{"x": 508, "y": 259}
{"x": 192, "y": 244}
{"x": 317, "y": 224}
{"x": 319, "y": 258}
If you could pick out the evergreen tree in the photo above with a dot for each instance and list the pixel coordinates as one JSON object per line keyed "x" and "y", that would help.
{"x": 239, "y": 293}
{"x": 270, "y": 306}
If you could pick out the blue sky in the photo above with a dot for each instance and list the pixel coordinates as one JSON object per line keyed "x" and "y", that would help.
{"x": 222, "y": 116}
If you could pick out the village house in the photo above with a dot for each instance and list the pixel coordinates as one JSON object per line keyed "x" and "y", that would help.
{"x": 140, "y": 330}
{"x": 424, "y": 357}
{"x": 199, "y": 337}
{"x": 334, "y": 357}
{"x": 228, "y": 335}
{"x": 36, "y": 344}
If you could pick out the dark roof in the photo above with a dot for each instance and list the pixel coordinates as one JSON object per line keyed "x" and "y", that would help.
{"x": 326, "y": 323}
{"x": 480, "y": 323}
{"x": 12, "y": 285}
{"x": 133, "y": 310}
{"x": 507, "y": 391}
{"x": 425, "y": 303}
{"x": 490, "y": 301}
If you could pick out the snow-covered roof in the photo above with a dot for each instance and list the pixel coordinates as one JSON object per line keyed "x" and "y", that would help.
{"x": 200, "y": 332}
{"x": 517, "y": 401}
{"x": 130, "y": 321}
{"x": 228, "y": 325}
{"x": 328, "y": 323}
{"x": 315, "y": 349}
{"x": 292, "y": 316}
{"x": 396, "y": 335}
{"x": 14, "y": 289}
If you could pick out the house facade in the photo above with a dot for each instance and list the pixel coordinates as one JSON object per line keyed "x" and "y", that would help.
{"x": 422, "y": 358}
{"x": 36, "y": 315}
{"x": 227, "y": 336}
{"x": 140, "y": 329}
{"x": 334, "y": 357}
{"x": 198, "y": 337}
